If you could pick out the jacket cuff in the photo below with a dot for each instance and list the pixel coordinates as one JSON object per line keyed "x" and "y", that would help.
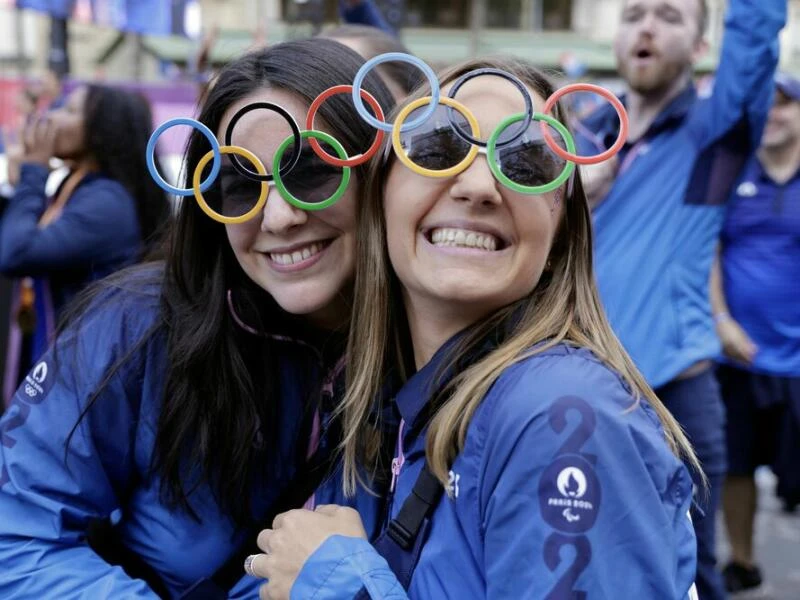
{"x": 338, "y": 569}
{"x": 34, "y": 175}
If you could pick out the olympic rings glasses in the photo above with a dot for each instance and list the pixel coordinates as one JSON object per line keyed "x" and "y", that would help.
{"x": 435, "y": 136}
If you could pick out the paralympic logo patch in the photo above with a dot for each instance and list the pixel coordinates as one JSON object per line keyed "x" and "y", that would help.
{"x": 569, "y": 494}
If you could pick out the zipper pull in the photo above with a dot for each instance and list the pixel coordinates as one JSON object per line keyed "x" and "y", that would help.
{"x": 397, "y": 464}
{"x": 397, "y": 461}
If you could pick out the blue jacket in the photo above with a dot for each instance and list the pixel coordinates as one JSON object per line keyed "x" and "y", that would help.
{"x": 97, "y": 233}
{"x": 557, "y": 454}
{"x": 656, "y": 231}
{"x": 46, "y": 505}
{"x": 760, "y": 260}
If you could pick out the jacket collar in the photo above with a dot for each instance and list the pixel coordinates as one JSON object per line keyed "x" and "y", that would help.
{"x": 605, "y": 122}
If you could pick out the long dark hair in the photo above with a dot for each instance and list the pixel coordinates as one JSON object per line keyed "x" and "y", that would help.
{"x": 221, "y": 390}
{"x": 118, "y": 124}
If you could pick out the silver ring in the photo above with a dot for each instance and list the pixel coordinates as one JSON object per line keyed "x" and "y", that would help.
{"x": 248, "y": 565}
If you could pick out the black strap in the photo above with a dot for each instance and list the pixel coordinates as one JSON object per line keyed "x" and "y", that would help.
{"x": 419, "y": 505}
{"x": 402, "y": 541}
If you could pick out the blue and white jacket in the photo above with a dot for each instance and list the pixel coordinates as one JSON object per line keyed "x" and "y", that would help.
{"x": 565, "y": 489}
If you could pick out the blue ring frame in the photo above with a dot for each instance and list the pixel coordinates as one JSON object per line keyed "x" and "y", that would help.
{"x": 151, "y": 153}
{"x": 401, "y": 57}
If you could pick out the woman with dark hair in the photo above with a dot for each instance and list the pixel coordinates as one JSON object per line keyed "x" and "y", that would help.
{"x": 190, "y": 399}
{"x": 533, "y": 460}
{"x": 104, "y": 216}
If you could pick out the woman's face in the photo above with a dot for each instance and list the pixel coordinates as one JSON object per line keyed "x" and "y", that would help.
{"x": 70, "y": 124}
{"x": 467, "y": 245}
{"x": 303, "y": 259}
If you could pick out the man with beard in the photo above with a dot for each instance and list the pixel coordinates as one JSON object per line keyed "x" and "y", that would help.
{"x": 659, "y": 208}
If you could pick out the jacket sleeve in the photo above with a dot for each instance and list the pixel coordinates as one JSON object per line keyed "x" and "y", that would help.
{"x": 578, "y": 491}
{"x": 743, "y": 84}
{"x": 341, "y": 568}
{"x": 364, "y": 13}
{"x": 92, "y": 225}
{"x": 369, "y": 505}
{"x": 49, "y": 495}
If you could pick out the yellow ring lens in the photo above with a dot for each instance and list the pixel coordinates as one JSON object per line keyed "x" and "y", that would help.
{"x": 403, "y": 156}
{"x": 201, "y": 201}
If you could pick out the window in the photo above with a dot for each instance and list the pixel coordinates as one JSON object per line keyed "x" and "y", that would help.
{"x": 556, "y": 14}
{"x": 442, "y": 13}
{"x": 315, "y": 11}
{"x": 503, "y": 14}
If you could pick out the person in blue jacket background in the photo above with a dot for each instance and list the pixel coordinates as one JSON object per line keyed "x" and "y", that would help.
{"x": 560, "y": 465}
{"x": 754, "y": 289}
{"x": 660, "y": 203}
{"x": 103, "y": 217}
{"x": 184, "y": 396}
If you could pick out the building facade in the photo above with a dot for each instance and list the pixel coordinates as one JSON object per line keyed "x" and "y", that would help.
{"x": 547, "y": 31}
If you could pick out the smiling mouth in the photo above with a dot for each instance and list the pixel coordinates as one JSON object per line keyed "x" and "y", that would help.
{"x": 299, "y": 255}
{"x": 449, "y": 237}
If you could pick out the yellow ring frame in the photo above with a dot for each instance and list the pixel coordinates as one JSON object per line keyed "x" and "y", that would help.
{"x": 401, "y": 153}
{"x": 201, "y": 201}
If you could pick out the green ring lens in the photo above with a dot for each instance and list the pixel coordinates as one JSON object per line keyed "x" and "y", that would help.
{"x": 491, "y": 147}
{"x": 278, "y": 179}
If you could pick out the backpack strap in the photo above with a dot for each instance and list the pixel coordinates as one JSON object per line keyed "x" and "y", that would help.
{"x": 402, "y": 541}
{"x": 419, "y": 505}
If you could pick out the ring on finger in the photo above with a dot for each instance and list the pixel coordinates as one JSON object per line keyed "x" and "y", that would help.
{"x": 248, "y": 565}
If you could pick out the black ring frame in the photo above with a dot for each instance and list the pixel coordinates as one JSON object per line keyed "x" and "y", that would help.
{"x": 523, "y": 127}
{"x": 298, "y": 140}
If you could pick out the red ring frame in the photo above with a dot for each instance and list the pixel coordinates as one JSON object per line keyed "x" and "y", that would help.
{"x": 601, "y": 91}
{"x": 315, "y": 146}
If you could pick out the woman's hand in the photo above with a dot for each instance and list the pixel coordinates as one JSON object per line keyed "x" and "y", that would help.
{"x": 296, "y": 535}
{"x": 736, "y": 344}
{"x": 39, "y": 140}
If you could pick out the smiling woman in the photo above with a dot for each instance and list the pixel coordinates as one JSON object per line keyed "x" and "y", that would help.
{"x": 515, "y": 397}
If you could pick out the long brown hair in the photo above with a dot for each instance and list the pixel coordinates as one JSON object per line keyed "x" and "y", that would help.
{"x": 564, "y": 307}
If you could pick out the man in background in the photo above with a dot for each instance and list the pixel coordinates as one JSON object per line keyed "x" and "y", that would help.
{"x": 659, "y": 207}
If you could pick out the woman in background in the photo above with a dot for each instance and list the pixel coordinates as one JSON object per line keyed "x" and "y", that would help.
{"x": 105, "y": 215}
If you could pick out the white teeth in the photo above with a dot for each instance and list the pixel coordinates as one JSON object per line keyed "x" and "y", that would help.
{"x": 297, "y": 256}
{"x": 464, "y": 238}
